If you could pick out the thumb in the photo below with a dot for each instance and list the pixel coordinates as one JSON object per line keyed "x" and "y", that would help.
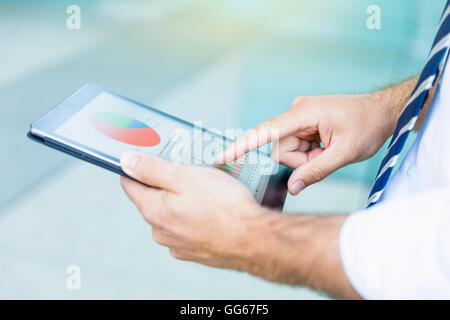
{"x": 151, "y": 170}
{"x": 315, "y": 170}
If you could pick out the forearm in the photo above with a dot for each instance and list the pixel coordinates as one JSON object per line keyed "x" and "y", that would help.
{"x": 301, "y": 250}
{"x": 392, "y": 100}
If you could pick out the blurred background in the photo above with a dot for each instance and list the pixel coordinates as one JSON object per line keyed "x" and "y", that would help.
{"x": 228, "y": 63}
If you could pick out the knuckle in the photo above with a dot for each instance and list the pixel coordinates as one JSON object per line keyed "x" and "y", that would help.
{"x": 297, "y": 102}
{"x": 155, "y": 214}
{"x": 317, "y": 174}
{"x": 167, "y": 204}
{"x": 176, "y": 254}
{"x": 157, "y": 237}
{"x": 146, "y": 172}
{"x": 284, "y": 158}
{"x": 148, "y": 216}
{"x": 148, "y": 212}
{"x": 143, "y": 208}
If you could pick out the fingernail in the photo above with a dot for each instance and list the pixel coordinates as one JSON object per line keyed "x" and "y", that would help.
{"x": 129, "y": 160}
{"x": 297, "y": 187}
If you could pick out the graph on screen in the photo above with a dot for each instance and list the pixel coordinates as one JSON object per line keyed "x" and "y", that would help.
{"x": 125, "y": 129}
{"x": 233, "y": 168}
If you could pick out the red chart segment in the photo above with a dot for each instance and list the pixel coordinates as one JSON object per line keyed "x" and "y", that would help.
{"x": 125, "y": 129}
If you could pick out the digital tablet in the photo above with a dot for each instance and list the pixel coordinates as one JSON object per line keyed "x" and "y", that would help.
{"x": 98, "y": 126}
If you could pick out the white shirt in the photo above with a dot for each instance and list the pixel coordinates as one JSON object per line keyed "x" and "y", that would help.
{"x": 400, "y": 248}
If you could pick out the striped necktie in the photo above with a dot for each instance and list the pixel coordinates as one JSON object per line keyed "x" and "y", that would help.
{"x": 415, "y": 103}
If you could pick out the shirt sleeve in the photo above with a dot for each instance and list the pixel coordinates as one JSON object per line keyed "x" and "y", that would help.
{"x": 400, "y": 249}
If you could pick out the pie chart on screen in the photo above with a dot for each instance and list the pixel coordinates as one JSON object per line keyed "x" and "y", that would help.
{"x": 125, "y": 129}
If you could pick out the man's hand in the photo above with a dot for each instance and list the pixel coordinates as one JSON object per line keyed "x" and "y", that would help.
{"x": 319, "y": 135}
{"x": 200, "y": 214}
{"x": 204, "y": 215}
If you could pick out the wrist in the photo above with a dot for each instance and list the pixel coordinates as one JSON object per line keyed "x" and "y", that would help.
{"x": 383, "y": 111}
{"x": 390, "y": 102}
{"x": 267, "y": 255}
{"x": 251, "y": 248}
{"x": 299, "y": 250}
{"x": 281, "y": 253}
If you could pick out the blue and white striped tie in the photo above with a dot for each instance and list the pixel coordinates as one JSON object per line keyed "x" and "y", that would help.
{"x": 415, "y": 103}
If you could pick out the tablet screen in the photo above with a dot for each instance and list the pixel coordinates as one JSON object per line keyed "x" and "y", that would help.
{"x": 113, "y": 125}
